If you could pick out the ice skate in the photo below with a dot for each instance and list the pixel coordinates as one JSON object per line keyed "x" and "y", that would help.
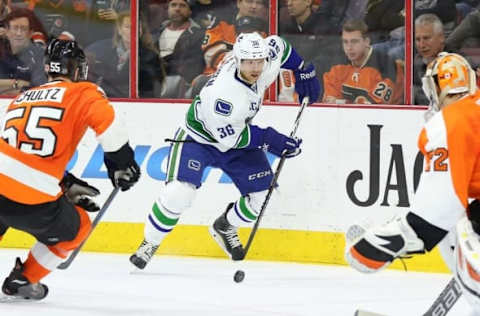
{"x": 16, "y": 285}
{"x": 143, "y": 255}
{"x": 226, "y": 236}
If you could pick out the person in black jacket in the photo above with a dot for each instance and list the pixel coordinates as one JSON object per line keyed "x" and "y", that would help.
{"x": 179, "y": 40}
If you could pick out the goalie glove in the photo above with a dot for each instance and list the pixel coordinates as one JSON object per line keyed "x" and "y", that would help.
{"x": 79, "y": 192}
{"x": 373, "y": 249}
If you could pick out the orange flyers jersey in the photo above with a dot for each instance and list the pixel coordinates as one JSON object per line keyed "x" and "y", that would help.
{"x": 450, "y": 143}
{"x": 379, "y": 81}
{"x": 42, "y": 128}
{"x": 217, "y": 41}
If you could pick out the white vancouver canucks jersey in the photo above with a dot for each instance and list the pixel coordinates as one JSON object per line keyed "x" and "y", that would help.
{"x": 220, "y": 115}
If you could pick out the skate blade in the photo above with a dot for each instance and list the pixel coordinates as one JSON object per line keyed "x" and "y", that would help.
{"x": 5, "y": 299}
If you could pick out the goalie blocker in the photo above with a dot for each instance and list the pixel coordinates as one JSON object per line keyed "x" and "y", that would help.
{"x": 373, "y": 249}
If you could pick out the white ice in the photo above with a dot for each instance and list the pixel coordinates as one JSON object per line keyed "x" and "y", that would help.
{"x": 107, "y": 284}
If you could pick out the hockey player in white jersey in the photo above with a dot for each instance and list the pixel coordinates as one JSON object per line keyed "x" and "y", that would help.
{"x": 218, "y": 132}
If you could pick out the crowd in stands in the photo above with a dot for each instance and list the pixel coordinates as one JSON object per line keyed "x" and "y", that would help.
{"x": 357, "y": 46}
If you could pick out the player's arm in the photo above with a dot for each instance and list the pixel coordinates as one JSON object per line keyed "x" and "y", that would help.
{"x": 112, "y": 134}
{"x": 306, "y": 81}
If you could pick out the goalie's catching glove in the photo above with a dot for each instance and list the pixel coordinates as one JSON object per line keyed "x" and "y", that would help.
{"x": 79, "y": 192}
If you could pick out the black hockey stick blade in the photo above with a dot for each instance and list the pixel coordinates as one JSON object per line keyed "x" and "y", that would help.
{"x": 275, "y": 178}
{"x": 445, "y": 301}
{"x": 64, "y": 265}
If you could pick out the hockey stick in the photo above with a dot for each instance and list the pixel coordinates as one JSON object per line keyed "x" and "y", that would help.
{"x": 445, "y": 301}
{"x": 64, "y": 265}
{"x": 442, "y": 305}
{"x": 275, "y": 178}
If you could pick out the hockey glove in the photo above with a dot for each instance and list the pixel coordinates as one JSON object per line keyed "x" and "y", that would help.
{"x": 122, "y": 168}
{"x": 279, "y": 144}
{"x": 78, "y": 192}
{"x": 306, "y": 83}
{"x": 371, "y": 249}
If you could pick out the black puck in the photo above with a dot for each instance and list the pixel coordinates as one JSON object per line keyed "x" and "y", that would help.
{"x": 239, "y": 276}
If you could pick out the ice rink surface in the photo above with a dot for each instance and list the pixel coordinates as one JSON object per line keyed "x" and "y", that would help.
{"x": 106, "y": 284}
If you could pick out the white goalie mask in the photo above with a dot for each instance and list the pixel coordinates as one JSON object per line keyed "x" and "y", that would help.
{"x": 250, "y": 46}
{"x": 467, "y": 261}
{"x": 447, "y": 74}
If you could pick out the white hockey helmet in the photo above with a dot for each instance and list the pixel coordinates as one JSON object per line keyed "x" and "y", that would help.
{"x": 250, "y": 46}
{"x": 447, "y": 74}
{"x": 467, "y": 261}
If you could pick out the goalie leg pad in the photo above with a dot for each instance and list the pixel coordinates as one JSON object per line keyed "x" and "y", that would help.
{"x": 373, "y": 249}
{"x": 467, "y": 262}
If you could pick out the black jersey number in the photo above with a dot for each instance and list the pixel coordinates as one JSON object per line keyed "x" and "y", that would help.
{"x": 383, "y": 91}
{"x": 45, "y": 136}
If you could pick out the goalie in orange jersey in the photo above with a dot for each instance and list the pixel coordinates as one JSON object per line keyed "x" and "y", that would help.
{"x": 43, "y": 127}
{"x": 451, "y": 178}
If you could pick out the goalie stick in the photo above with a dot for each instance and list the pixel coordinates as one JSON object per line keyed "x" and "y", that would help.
{"x": 64, "y": 265}
{"x": 440, "y": 307}
{"x": 445, "y": 301}
{"x": 275, "y": 178}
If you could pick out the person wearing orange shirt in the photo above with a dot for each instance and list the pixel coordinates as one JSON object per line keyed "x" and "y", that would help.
{"x": 367, "y": 76}
{"x": 450, "y": 144}
{"x": 42, "y": 129}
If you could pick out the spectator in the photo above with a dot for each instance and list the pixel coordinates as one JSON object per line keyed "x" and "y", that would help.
{"x": 367, "y": 76}
{"x": 4, "y": 11}
{"x": 464, "y": 7}
{"x": 109, "y": 59}
{"x": 301, "y": 31}
{"x": 385, "y": 20}
{"x": 333, "y": 14}
{"x": 180, "y": 39}
{"x": 208, "y": 12}
{"x": 154, "y": 11}
{"x": 21, "y": 62}
{"x": 220, "y": 38}
{"x": 429, "y": 41}
{"x": 103, "y": 17}
{"x": 467, "y": 34}
{"x": 39, "y": 36}
{"x": 443, "y": 9}
{"x": 63, "y": 19}
{"x": 150, "y": 67}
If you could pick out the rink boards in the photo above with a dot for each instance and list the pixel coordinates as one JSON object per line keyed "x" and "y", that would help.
{"x": 356, "y": 163}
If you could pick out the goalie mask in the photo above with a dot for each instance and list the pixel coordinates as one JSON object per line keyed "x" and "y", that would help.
{"x": 447, "y": 74}
{"x": 66, "y": 58}
{"x": 250, "y": 46}
{"x": 467, "y": 261}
